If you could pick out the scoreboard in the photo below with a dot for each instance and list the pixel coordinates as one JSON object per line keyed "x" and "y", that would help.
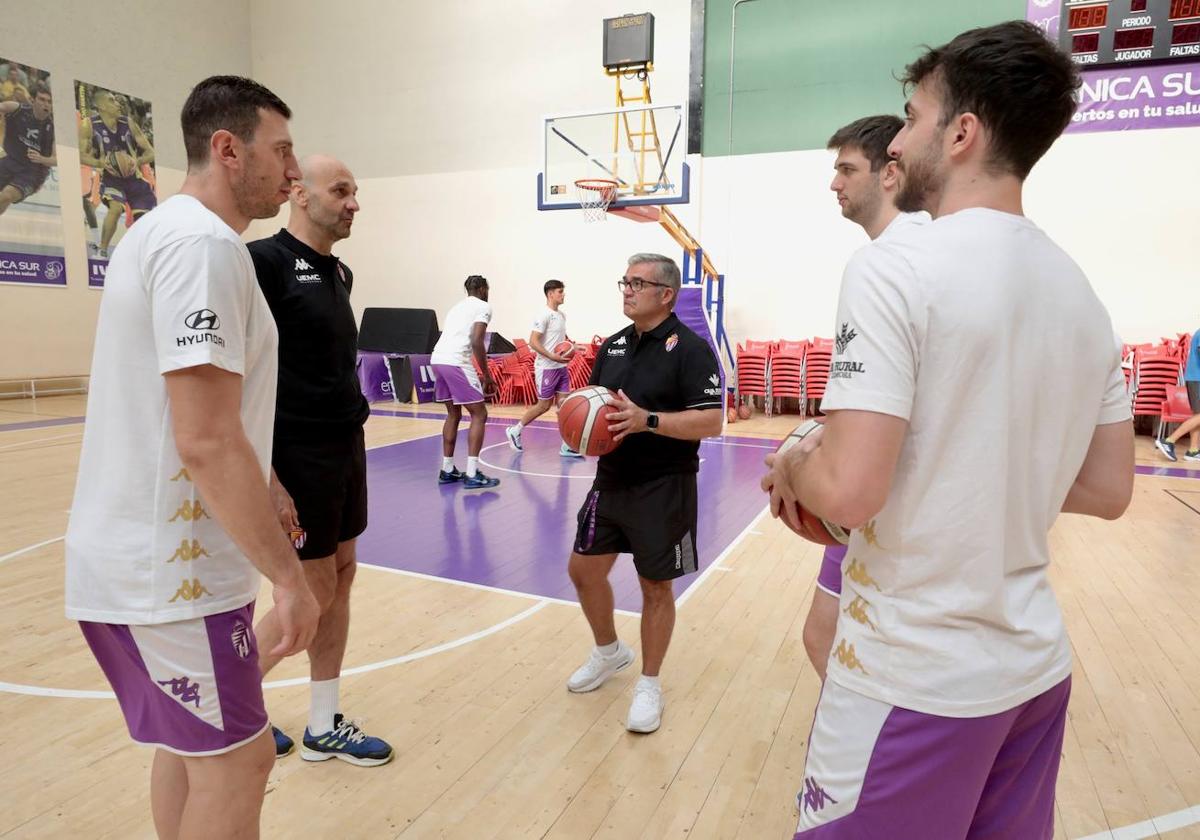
{"x": 1104, "y": 33}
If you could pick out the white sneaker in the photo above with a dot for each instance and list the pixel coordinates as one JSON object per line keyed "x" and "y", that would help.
{"x": 567, "y": 452}
{"x": 513, "y": 433}
{"x": 645, "y": 712}
{"x": 598, "y": 668}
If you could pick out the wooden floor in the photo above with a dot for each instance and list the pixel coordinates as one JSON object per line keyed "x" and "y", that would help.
{"x": 491, "y": 745}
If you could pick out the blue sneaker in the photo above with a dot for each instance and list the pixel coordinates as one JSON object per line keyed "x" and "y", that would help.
{"x": 347, "y": 742}
{"x": 450, "y": 477}
{"x": 1166, "y": 448}
{"x": 479, "y": 481}
{"x": 283, "y": 744}
{"x": 567, "y": 452}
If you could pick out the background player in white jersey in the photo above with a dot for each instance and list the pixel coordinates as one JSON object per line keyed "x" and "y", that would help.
{"x": 549, "y": 368}
{"x": 865, "y": 182}
{"x": 172, "y": 521}
{"x": 457, "y": 382}
{"x": 976, "y": 393}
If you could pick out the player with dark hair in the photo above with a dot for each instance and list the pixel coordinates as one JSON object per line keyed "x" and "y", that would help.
{"x": 459, "y": 360}
{"x": 958, "y": 430}
{"x": 28, "y": 146}
{"x": 549, "y": 368}
{"x": 114, "y": 144}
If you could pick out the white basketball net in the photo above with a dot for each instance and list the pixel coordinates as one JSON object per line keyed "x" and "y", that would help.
{"x": 595, "y": 194}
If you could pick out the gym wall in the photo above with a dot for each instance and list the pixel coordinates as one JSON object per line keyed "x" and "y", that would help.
{"x": 154, "y": 49}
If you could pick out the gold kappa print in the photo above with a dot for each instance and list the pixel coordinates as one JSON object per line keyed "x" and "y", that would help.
{"x": 858, "y": 611}
{"x": 190, "y": 591}
{"x": 845, "y": 654}
{"x": 190, "y": 512}
{"x": 188, "y": 551}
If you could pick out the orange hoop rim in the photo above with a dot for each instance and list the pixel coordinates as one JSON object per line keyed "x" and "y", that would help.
{"x": 597, "y": 184}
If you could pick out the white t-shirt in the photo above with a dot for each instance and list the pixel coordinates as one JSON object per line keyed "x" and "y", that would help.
{"x": 552, "y": 324}
{"x": 142, "y": 546}
{"x": 903, "y": 223}
{"x": 454, "y": 347}
{"x": 987, "y": 338}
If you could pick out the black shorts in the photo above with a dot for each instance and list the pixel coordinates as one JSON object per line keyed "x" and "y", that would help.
{"x": 327, "y": 480}
{"x": 655, "y": 521}
{"x": 1193, "y": 389}
{"x": 23, "y": 177}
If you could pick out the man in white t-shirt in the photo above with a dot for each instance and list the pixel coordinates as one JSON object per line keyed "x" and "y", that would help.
{"x": 458, "y": 360}
{"x": 976, "y": 393}
{"x": 549, "y": 367}
{"x": 865, "y": 182}
{"x": 172, "y": 521}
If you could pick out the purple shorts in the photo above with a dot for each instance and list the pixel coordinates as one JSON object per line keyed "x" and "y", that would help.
{"x": 191, "y": 687}
{"x": 132, "y": 191}
{"x": 875, "y": 770}
{"x": 830, "y": 576}
{"x": 458, "y": 384}
{"x": 551, "y": 381}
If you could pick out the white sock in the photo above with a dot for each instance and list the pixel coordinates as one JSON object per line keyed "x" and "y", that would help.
{"x": 651, "y": 682}
{"x": 472, "y": 466}
{"x": 323, "y": 705}
{"x": 609, "y": 650}
{"x": 520, "y": 426}
{"x": 447, "y": 464}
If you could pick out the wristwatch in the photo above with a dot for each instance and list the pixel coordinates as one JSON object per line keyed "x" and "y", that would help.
{"x": 652, "y": 421}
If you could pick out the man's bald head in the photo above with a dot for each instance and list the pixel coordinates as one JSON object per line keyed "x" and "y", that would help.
{"x": 323, "y": 200}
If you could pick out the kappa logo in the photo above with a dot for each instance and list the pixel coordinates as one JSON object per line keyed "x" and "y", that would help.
{"x": 202, "y": 319}
{"x": 714, "y": 379}
{"x": 301, "y": 265}
{"x": 845, "y": 337}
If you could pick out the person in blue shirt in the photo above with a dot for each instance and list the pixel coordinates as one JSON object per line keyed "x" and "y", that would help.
{"x": 1191, "y": 427}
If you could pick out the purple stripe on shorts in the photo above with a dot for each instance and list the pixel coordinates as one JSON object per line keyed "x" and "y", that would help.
{"x": 163, "y": 712}
{"x": 453, "y": 384}
{"x": 830, "y": 576}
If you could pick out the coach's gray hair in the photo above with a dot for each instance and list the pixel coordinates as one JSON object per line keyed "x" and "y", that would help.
{"x": 668, "y": 270}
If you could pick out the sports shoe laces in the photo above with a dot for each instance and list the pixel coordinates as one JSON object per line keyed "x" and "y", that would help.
{"x": 349, "y": 730}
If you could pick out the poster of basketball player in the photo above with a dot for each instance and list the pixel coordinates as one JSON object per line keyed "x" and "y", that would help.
{"x": 31, "y": 234}
{"x": 116, "y": 157}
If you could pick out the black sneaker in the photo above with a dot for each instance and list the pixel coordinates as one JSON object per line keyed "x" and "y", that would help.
{"x": 479, "y": 481}
{"x": 450, "y": 477}
{"x": 283, "y": 744}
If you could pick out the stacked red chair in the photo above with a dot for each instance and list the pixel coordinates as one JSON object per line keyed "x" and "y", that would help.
{"x": 817, "y": 363}
{"x": 1156, "y": 373}
{"x": 516, "y": 381}
{"x": 786, "y": 371}
{"x": 1175, "y": 409}
{"x": 752, "y": 371}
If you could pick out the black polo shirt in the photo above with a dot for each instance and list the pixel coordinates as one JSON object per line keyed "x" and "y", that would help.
{"x": 309, "y": 295}
{"x": 669, "y": 368}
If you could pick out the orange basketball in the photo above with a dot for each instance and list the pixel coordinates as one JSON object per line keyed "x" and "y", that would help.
{"x": 583, "y": 420}
{"x": 124, "y": 164}
{"x": 812, "y": 527}
{"x": 566, "y": 349}
{"x": 731, "y": 414}
{"x": 744, "y": 411}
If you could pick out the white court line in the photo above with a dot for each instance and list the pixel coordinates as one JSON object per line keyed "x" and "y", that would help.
{"x": 1152, "y": 827}
{"x": 30, "y": 548}
{"x": 588, "y": 476}
{"x": 484, "y": 587}
{"x": 687, "y": 593}
{"x": 39, "y": 440}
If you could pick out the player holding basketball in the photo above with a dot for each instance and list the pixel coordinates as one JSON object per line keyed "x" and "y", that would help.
{"x": 457, "y": 382}
{"x": 172, "y": 521}
{"x": 549, "y": 368}
{"x": 865, "y": 183}
{"x": 114, "y": 144}
{"x": 28, "y": 146}
{"x": 958, "y": 430}
{"x": 643, "y": 500}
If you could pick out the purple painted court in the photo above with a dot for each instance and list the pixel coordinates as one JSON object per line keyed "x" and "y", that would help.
{"x": 518, "y": 537}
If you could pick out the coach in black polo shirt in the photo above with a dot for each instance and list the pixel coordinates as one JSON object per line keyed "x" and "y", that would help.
{"x": 644, "y": 498}
{"x": 319, "y": 465}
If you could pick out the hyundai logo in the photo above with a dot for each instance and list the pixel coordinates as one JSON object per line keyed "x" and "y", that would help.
{"x": 204, "y": 319}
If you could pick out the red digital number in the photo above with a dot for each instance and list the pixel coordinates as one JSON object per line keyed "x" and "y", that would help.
{"x": 1184, "y": 9}
{"x": 1090, "y": 17}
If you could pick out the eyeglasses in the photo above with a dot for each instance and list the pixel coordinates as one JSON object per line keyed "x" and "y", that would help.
{"x": 637, "y": 284}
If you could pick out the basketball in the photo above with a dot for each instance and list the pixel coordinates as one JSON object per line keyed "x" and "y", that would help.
{"x": 566, "y": 349}
{"x": 744, "y": 411}
{"x": 812, "y": 527}
{"x": 583, "y": 421}
{"x": 124, "y": 164}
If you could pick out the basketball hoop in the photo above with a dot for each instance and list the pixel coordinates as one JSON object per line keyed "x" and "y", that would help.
{"x": 595, "y": 194}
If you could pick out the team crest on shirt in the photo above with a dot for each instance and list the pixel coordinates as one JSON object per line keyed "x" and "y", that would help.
{"x": 672, "y": 340}
{"x": 845, "y": 337}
